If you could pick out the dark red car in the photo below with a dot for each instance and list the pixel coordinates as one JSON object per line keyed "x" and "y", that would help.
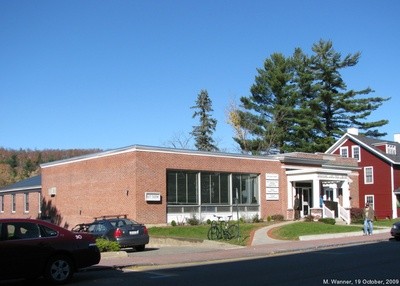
{"x": 31, "y": 248}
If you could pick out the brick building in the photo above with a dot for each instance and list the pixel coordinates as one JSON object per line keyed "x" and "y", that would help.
{"x": 158, "y": 185}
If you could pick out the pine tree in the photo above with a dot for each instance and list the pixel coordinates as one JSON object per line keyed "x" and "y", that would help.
{"x": 301, "y": 103}
{"x": 340, "y": 108}
{"x": 271, "y": 107}
{"x": 203, "y": 132}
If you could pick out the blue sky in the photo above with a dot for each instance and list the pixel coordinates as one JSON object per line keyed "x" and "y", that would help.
{"x": 110, "y": 74}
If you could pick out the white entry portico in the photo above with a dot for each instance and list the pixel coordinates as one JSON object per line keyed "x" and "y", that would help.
{"x": 322, "y": 192}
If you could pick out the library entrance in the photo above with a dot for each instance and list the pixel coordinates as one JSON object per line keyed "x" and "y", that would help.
{"x": 304, "y": 190}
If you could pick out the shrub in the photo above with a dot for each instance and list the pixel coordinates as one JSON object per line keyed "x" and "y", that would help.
{"x": 193, "y": 220}
{"x": 256, "y": 219}
{"x": 356, "y": 215}
{"x": 105, "y": 245}
{"x": 309, "y": 218}
{"x": 277, "y": 217}
{"x": 173, "y": 223}
{"x": 327, "y": 220}
{"x": 209, "y": 221}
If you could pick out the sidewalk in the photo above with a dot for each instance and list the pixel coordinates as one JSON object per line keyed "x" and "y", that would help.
{"x": 184, "y": 252}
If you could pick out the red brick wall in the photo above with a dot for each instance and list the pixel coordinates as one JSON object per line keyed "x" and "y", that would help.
{"x": 33, "y": 212}
{"x": 117, "y": 184}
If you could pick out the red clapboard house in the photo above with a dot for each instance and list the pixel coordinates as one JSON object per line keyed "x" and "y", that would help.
{"x": 379, "y": 177}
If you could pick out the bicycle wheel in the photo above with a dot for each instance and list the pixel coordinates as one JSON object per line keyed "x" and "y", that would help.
{"x": 233, "y": 231}
{"x": 213, "y": 233}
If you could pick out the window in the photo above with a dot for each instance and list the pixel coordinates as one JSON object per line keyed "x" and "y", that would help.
{"x": 13, "y": 203}
{"x": 356, "y": 152}
{"x": 20, "y": 230}
{"x": 26, "y": 202}
{"x": 211, "y": 188}
{"x": 214, "y": 188}
{"x": 368, "y": 175}
{"x": 245, "y": 188}
{"x": 391, "y": 149}
{"x": 369, "y": 199}
{"x": 182, "y": 187}
{"x": 344, "y": 151}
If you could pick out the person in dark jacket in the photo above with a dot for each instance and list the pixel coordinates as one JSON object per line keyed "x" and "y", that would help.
{"x": 296, "y": 207}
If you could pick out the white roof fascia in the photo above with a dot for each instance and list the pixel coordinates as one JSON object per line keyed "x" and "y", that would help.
{"x": 141, "y": 148}
{"x": 337, "y": 144}
{"x": 373, "y": 150}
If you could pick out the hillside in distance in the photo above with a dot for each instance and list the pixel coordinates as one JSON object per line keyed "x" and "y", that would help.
{"x": 17, "y": 165}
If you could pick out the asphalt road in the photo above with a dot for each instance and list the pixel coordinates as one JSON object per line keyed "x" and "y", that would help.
{"x": 367, "y": 264}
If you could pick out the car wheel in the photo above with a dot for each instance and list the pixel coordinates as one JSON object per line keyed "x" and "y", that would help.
{"x": 140, "y": 247}
{"x": 59, "y": 270}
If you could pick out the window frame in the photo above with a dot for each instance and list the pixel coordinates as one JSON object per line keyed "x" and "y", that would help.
{"x": 344, "y": 149}
{"x": 26, "y": 202}
{"x": 353, "y": 148}
{"x": 13, "y": 203}
{"x": 366, "y": 176}
{"x": 370, "y": 199}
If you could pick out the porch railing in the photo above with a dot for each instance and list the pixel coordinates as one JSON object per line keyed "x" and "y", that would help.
{"x": 344, "y": 214}
{"x": 327, "y": 212}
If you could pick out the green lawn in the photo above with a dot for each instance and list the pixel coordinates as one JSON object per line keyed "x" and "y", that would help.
{"x": 294, "y": 230}
{"x": 200, "y": 232}
{"x": 287, "y": 232}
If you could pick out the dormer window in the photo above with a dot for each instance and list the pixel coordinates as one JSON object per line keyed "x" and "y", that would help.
{"x": 391, "y": 149}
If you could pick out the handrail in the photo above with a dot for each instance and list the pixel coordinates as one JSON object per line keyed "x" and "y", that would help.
{"x": 344, "y": 214}
{"x": 327, "y": 212}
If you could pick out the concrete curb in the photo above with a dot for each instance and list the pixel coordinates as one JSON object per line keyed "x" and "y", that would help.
{"x": 338, "y": 235}
{"x": 113, "y": 254}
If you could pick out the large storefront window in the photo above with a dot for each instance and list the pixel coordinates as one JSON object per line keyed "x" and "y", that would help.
{"x": 245, "y": 188}
{"x": 214, "y": 188}
{"x": 182, "y": 188}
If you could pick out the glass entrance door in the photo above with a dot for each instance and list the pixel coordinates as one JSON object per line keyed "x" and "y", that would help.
{"x": 306, "y": 201}
{"x": 305, "y": 196}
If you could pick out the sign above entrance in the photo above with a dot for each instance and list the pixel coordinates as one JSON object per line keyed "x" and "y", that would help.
{"x": 272, "y": 187}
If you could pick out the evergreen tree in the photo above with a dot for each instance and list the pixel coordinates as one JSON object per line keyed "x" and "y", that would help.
{"x": 339, "y": 108}
{"x": 203, "y": 132}
{"x": 271, "y": 107}
{"x": 301, "y": 103}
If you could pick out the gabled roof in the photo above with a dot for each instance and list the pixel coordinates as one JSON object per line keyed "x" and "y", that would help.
{"x": 371, "y": 145}
{"x": 27, "y": 184}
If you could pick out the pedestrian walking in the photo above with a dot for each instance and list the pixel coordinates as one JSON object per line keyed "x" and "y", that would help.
{"x": 368, "y": 216}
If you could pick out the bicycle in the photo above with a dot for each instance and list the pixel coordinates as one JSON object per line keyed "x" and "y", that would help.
{"x": 222, "y": 229}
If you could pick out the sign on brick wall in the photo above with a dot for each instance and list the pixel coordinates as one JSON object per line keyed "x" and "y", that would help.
{"x": 152, "y": 196}
{"x": 272, "y": 187}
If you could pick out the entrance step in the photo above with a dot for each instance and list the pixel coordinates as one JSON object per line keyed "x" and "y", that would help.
{"x": 340, "y": 221}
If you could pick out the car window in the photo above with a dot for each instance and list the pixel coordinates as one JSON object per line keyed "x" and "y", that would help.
{"x": 47, "y": 231}
{"x": 120, "y": 223}
{"x": 20, "y": 230}
{"x": 130, "y": 222}
{"x": 97, "y": 227}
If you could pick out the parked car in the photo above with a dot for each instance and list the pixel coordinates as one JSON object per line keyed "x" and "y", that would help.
{"x": 32, "y": 248}
{"x": 395, "y": 230}
{"x": 126, "y": 232}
